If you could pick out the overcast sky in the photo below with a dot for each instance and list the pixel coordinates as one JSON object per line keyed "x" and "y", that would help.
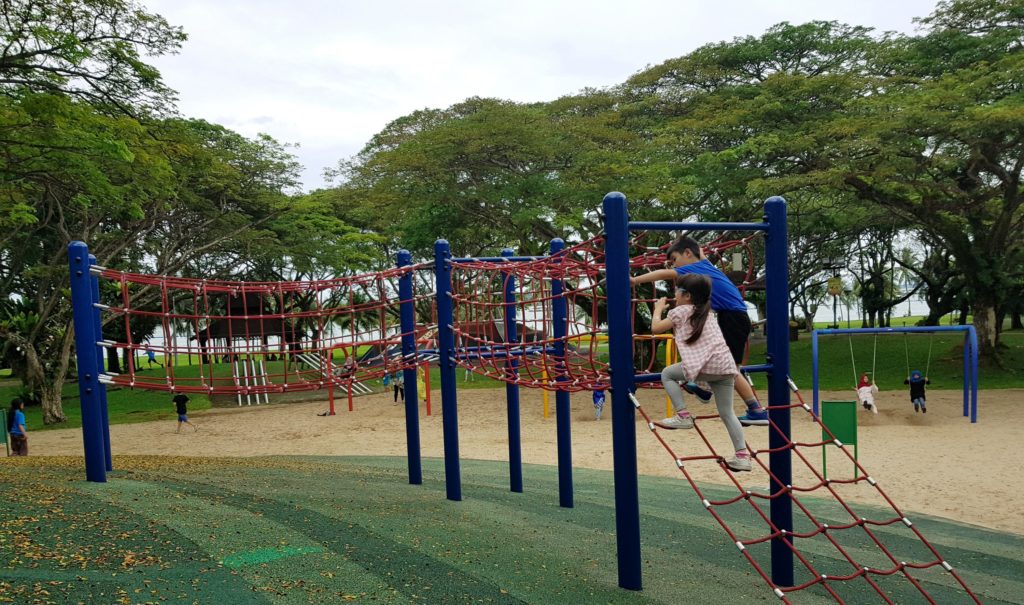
{"x": 329, "y": 74}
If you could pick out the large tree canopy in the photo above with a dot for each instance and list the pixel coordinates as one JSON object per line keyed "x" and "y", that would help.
{"x": 870, "y": 136}
{"x": 90, "y": 49}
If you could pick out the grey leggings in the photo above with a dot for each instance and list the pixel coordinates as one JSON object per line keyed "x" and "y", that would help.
{"x": 721, "y": 386}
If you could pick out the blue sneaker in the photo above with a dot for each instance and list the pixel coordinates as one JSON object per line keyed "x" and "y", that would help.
{"x": 752, "y": 418}
{"x": 703, "y": 395}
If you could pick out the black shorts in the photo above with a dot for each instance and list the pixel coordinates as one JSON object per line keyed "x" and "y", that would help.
{"x": 735, "y": 327}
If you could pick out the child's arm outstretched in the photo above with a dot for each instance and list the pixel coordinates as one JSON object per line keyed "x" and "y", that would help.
{"x": 660, "y": 324}
{"x": 656, "y": 275}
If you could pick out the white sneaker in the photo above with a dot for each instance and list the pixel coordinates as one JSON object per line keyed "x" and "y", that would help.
{"x": 676, "y": 422}
{"x": 739, "y": 464}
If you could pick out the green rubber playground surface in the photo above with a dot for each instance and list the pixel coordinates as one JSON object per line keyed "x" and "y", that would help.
{"x": 341, "y": 530}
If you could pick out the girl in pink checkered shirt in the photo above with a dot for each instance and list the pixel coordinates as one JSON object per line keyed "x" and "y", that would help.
{"x": 703, "y": 356}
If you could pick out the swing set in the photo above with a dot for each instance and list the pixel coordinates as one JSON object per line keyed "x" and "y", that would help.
{"x": 970, "y": 384}
{"x": 874, "y": 356}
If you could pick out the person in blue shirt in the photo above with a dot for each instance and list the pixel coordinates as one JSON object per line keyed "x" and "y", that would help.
{"x": 685, "y": 256}
{"x": 598, "y": 403}
{"x": 151, "y": 356}
{"x": 16, "y": 427}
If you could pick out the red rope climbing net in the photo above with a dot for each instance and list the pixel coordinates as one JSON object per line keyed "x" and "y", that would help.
{"x": 304, "y": 335}
{"x": 850, "y": 559}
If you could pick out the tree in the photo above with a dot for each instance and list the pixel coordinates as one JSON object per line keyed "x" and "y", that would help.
{"x": 87, "y": 49}
{"x": 942, "y": 145}
{"x": 484, "y": 173}
{"x": 176, "y": 197}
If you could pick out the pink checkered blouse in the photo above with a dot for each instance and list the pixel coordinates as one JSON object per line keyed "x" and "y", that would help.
{"x": 710, "y": 354}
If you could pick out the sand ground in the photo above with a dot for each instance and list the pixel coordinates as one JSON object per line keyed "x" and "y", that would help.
{"x": 936, "y": 463}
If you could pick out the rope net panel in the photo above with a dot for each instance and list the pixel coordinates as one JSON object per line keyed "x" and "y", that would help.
{"x": 840, "y": 553}
{"x": 305, "y": 334}
{"x": 482, "y": 335}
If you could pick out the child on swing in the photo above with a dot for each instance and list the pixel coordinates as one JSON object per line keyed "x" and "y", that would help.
{"x": 917, "y": 382}
{"x": 703, "y": 355}
{"x": 866, "y": 390}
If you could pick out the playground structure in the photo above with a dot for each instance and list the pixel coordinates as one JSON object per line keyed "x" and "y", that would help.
{"x": 970, "y": 355}
{"x": 571, "y": 295}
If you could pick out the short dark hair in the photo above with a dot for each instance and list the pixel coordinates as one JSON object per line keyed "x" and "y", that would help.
{"x": 683, "y": 243}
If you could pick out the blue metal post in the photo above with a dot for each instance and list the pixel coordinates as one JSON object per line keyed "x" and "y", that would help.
{"x": 620, "y": 346}
{"x": 780, "y": 462}
{"x": 94, "y": 287}
{"x": 563, "y": 417}
{"x": 446, "y": 350}
{"x": 515, "y": 448}
{"x": 973, "y": 336}
{"x": 814, "y": 369}
{"x": 85, "y": 351}
{"x": 407, "y": 316}
{"x": 967, "y": 370}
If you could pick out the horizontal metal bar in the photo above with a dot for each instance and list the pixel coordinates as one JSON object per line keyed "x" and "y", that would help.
{"x": 656, "y": 377}
{"x": 650, "y": 226}
{"x": 497, "y": 259}
{"x": 501, "y": 354}
{"x": 908, "y": 329}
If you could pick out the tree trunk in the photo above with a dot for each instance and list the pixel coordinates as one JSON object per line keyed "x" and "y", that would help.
{"x": 1015, "y": 323}
{"x": 113, "y": 361}
{"x": 53, "y": 409}
{"x": 985, "y": 325}
{"x": 53, "y": 383}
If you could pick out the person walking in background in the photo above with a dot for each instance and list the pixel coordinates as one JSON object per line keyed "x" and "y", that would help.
{"x": 180, "y": 403}
{"x": 151, "y": 357}
{"x": 398, "y": 385}
{"x": 16, "y": 427}
{"x": 598, "y": 403}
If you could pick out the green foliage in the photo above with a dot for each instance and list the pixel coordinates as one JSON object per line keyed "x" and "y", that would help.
{"x": 88, "y": 49}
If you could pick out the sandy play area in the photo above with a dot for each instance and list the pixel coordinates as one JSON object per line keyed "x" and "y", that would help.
{"x": 936, "y": 463}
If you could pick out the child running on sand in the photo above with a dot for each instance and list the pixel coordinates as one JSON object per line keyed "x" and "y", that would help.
{"x": 598, "y": 403}
{"x": 180, "y": 400}
{"x": 703, "y": 355}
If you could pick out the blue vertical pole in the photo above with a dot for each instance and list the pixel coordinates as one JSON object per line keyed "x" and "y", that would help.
{"x": 814, "y": 369}
{"x": 563, "y": 418}
{"x": 407, "y": 317}
{"x": 515, "y": 448}
{"x": 967, "y": 370}
{"x": 780, "y": 462}
{"x": 446, "y": 349}
{"x": 973, "y": 335}
{"x": 620, "y": 346}
{"x": 85, "y": 351}
{"x": 94, "y": 287}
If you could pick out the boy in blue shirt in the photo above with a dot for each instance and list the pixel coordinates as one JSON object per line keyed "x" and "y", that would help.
{"x": 685, "y": 256}
{"x": 16, "y": 421}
